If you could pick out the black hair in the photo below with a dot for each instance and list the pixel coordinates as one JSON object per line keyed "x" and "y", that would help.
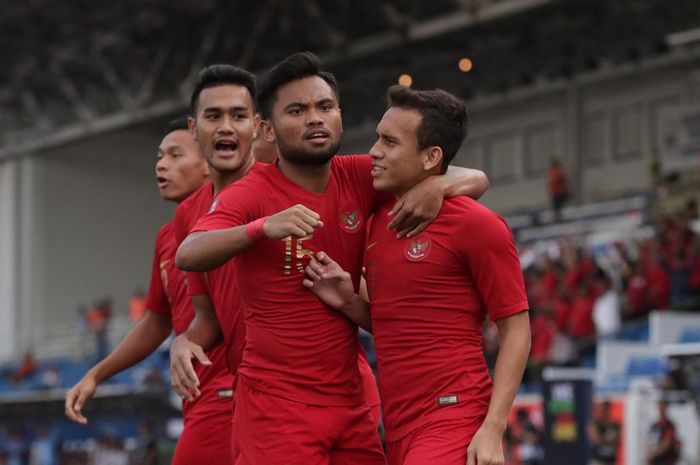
{"x": 296, "y": 66}
{"x": 219, "y": 75}
{"x": 176, "y": 124}
{"x": 444, "y": 121}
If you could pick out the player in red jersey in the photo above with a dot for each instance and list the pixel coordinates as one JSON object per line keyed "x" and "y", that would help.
{"x": 180, "y": 170}
{"x": 429, "y": 296}
{"x": 299, "y": 395}
{"x": 222, "y": 103}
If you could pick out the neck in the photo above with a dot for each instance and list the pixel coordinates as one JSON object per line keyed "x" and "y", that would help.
{"x": 314, "y": 178}
{"x": 223, "y": 179}
{"x": 401, "y": 190}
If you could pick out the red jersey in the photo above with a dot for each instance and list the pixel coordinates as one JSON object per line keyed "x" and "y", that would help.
{"x": 218, "y": 284}
{"x": 167, "y": 294}
{"x": 296, "y": 347}
{"x": 429, "y": 296}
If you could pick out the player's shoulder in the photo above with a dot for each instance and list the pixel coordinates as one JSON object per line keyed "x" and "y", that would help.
{"x": 352, "y": 161}
{"x": 259, "y": 176}
{"x": 471, "y": 213}
{"x": 166, "y": 233}
{"x": 201, "y": 195}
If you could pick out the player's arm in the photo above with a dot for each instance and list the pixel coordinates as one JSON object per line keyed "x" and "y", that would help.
{"x": 333, "y": 286}
{"x": 203, "y": 334}
{"x": 141, "y": 341}
{"x": 514, "y": 335}
{"x": 206, "y": 250}
{"x": 414, "y": 211}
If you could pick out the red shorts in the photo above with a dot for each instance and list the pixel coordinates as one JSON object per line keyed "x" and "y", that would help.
{"x": 206, "y": 437}
{"x": 439, "y": 442}
{"x": 275, "y": 431}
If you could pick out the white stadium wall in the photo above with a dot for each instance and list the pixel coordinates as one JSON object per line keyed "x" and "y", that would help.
{"x": 605, "y": 127}
{"x": 88, "y": 214}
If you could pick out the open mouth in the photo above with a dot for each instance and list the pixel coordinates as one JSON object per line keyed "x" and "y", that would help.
{"x": 318, "y": 136}
{"x": 226, "y": 146}
{"x": 162, "y": 181}
{"x": 377, "y": 170}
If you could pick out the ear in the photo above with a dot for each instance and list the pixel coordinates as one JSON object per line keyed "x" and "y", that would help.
{"x": 256, "y": 120}
{"x": 268, "y": 131}
{"x": 192, "y": 126}
{"x": 432, "y": 158}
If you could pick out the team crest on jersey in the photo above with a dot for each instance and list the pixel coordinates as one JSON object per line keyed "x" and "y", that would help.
{"x": 350, "y": 220}
{"x": 213, "y": 205}
{"x": 417, "y": 248}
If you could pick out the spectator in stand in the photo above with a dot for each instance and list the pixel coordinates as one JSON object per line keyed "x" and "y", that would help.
{"x": 543, "y": 330}
{"x": 82, "y": 326}
{"x": 606, "y": 309}
{"x": 27, "y": 367}
{"x": 580, "y": 323}
{"x": 604, "y": 435}
{"x": 561, "y": 307}
{"x": 637, "y": 301}
{"x": 663, "y": 446}
{"x": 528, "y": 439}
{"x": 557, "y": 186}
{"x": 50, "y": 378}
{"x": 146, "y": 450}
{"x": 98, "y": 319}
{"x": 15, "y": 447}
{"x": 137, "y": 306}
{"x": 44, "y": 448}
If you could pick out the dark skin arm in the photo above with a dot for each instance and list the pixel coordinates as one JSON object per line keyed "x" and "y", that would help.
{"x": 141, "y": 341}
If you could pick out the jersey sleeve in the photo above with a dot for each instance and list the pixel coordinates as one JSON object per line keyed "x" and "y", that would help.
{"x": 359, "y": 167}
{"x": 236, "y": 205}
{"x": 157, "y": 298}
{"x": 196, "y": 284}
{"x": 487, "y": 250}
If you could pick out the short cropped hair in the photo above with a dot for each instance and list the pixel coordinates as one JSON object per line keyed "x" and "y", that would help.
{"x": 296, "y": 66}
{"x": 176, "y": 124}
{"x": 444, "y": 121}
{"x": 219, "y": 75}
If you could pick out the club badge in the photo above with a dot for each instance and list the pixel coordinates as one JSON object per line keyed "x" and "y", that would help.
{"x": 350, "y": 220}
{"x": 417, "y": 248}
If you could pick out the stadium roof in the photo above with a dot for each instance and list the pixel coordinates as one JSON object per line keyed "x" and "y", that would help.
{"x": 79, "y": 67}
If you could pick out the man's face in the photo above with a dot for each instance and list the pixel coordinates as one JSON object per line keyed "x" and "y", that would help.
{"x": 396, "y": 156}
{"x": 180, "y": 169}
{"x": 306, "y": 121}
{"x": 225, "y": 125}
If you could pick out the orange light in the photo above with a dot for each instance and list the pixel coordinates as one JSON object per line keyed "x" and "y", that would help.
{"x": 405, "y": 80}
{"x": 465, "y": 65}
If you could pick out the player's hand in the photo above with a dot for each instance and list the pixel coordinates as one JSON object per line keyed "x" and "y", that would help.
{"x": 486, "y": 447}
{"x": 183, "y": 378}
{"x": 414, "y": 210}
{"x": 329, "y": 281}
{"x": 296, "y": 221}
{"x": 77, "y": 396}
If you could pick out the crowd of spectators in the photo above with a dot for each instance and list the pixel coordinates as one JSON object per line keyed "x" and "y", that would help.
{"x": 580, "y": 293}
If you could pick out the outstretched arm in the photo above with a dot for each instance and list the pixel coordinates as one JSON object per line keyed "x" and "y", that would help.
{"x": 333, "y": 286}
{"x": 417, "y": 208}
{"x": 140, "y": 342}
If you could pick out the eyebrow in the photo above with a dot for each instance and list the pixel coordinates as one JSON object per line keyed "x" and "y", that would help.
{"x": 387, "y": 137}
{"x": 219, "y": 109}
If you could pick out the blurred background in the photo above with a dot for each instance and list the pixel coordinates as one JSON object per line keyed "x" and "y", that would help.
{"x": 585, "y": 115}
